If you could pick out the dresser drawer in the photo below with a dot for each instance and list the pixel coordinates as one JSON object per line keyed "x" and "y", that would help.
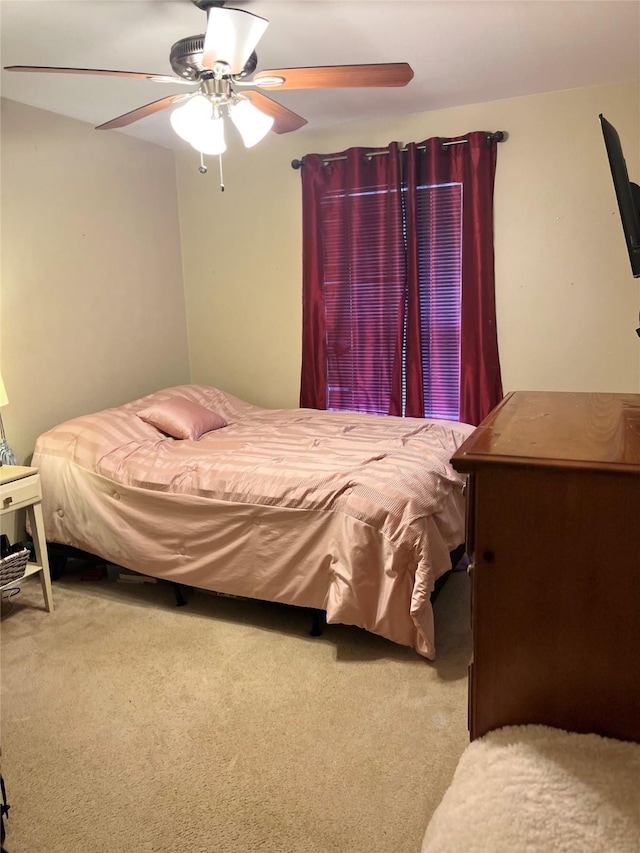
{"x": 19, "y": 493}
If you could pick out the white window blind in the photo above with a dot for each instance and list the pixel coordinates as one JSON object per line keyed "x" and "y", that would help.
{"x": 439, "y": 210}
{"x": 365, "y": 265}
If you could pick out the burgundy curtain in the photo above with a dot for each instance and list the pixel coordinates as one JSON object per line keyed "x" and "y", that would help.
{"x": 363, "y": 263}
{"x": 472, "y": 164}
{"x": 381, "y": 245}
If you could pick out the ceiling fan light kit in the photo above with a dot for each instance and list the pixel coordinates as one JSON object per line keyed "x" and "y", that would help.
{"x": 223, "y": 59}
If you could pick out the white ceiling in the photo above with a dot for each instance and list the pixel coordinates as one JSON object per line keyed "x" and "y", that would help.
{"x": 462, "y": 52}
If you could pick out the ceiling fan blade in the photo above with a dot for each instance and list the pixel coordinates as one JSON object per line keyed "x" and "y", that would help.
{"x": 44, "y": 69}
{"x": 285, "y": 120}
{"x": 231, "y": 37}
{"x": 140, "y": 112}
{"x": 336, "y": 76}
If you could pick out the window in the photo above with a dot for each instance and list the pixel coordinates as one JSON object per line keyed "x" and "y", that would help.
{"x": 440, "y": 282}
{"x": 361, "y": 297}
{"x": 362, "y": 291}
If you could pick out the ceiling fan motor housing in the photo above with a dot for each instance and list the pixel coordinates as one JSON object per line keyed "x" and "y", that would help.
{"x": 186, "y": 56}
{"x": 186, "y": 60}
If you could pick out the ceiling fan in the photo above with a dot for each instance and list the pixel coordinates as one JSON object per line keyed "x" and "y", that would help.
{"x": 222, "y": 63}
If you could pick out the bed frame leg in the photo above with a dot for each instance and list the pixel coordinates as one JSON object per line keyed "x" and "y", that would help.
{"x": 57, "y": 565}
{"x": 318, "y": 621}
{"x": 180, "y": 599}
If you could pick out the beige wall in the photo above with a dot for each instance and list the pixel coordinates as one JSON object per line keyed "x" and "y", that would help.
{"x": 92, "y": 295}
{"x": 93, "y": 310}
{"x": 567, "y": 303}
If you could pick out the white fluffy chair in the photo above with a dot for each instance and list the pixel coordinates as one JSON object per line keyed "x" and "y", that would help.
{"x": 534, "y": 789}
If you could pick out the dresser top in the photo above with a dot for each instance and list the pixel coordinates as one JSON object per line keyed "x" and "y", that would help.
{"x": 557, "y": 428}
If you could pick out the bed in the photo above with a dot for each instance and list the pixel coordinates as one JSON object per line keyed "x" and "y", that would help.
{"x": 352, "y": 514}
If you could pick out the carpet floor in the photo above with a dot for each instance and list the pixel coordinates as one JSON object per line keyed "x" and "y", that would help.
{"x": 130, "y": 725}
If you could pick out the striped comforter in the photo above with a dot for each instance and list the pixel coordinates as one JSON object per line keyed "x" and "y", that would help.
{"x": 351, "y": 513}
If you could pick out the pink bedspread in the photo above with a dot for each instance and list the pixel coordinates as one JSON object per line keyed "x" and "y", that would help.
{"x": 354, "y": 514}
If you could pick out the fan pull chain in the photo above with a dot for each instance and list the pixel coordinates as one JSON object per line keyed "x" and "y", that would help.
{"x": 203, "y": 169}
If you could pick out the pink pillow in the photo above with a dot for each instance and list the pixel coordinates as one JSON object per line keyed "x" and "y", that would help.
{"x": 181, "y": 418}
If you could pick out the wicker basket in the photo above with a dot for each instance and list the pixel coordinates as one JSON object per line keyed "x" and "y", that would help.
{"x": 13, "y": 566}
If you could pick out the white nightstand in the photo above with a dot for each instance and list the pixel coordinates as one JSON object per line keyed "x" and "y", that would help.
{"x": 20, "y": 489}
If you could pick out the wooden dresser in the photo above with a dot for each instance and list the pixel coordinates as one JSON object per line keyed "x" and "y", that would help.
{"x": 553, "y": 529}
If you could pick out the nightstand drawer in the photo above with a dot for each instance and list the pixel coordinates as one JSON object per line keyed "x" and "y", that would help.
{"x": 19, "y": 493}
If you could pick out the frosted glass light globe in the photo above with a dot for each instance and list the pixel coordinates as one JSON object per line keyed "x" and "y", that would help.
{"x": 187, "y": 119}
{"x": 209, "y": 137}
{"x": 253, "y": 125}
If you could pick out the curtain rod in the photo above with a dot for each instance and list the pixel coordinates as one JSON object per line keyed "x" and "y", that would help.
{"x": 497, "y": 136}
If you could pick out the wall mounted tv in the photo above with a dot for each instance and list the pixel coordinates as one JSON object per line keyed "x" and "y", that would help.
{"x": 627, "y": 193}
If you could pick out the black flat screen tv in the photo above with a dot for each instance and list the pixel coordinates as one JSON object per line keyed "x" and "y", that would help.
{"x": 627, "y": 193}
